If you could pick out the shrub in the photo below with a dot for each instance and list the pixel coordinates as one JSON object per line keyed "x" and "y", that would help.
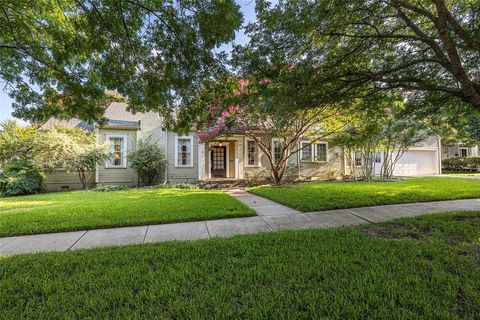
{"x": 111, "y": 187}
{"x": 20, "y": 178}
{"x": 459, "y": 164}
{"x": 148, "y": 160}
{"x": 184, "y": 185}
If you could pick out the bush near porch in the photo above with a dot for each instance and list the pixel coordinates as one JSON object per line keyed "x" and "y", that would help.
{"x": 317, "y": 196}
{"x": 81, "y": 210}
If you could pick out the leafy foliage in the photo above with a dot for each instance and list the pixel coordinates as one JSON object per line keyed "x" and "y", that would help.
{"x": 462, "y": 164}
{"x": 60, "y": 57}
{"x": 148, "y": 159}
{"x": 73, "y": 149}
{"x": 17, "y": 142}
{"x": 20, "y": 178}
{"x": 111, "y": 187}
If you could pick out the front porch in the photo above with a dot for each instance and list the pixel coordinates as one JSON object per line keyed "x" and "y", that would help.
{"x": 221, "y": 159}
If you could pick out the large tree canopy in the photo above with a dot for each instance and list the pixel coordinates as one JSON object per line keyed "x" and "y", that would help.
{"x": 59, "y": 57}
{"x": 427, "y": 48}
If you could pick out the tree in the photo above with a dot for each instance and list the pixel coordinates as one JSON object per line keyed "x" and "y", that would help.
{"x": 417, "y": 45}
{"x": 59, "y": 58}
{"x": 17, "y": 142}
{"x": 354, "y": 49}
{"x": 400, "y": 132}
{"x": 73, "y": 149}
{"x": 276, "y": 131}
{"x": 148, "y": 159}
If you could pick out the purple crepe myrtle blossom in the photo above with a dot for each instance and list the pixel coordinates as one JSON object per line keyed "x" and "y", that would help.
{"x": 219, "y": 125}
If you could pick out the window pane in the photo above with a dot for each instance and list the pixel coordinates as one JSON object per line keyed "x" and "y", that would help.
{"x": 306, "y": 151}
{"x": 184, "y": 154}
{"x": 358, "y": 159}
{"x": 277, "y": 150}
{"x": 321, "y": 152}
{"x": 252, "y": 154}
{"x": 117, "y": 150}
{"x": 378, "y": 157}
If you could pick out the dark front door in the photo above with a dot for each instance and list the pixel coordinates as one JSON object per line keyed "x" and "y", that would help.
{"x": 218, "y": 161}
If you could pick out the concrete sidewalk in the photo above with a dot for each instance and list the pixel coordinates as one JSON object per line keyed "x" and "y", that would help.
{"x": 268, "y": 220}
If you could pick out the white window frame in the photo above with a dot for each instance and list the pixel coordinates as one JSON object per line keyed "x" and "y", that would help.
{"x": 274, "y": 140}
{"x": 355, "y": 159}
{"x": 314, "y": 152}
{"x": 108, "y": 163}
{"x": 258, "y": 164}
{"x": 190, "y": 165}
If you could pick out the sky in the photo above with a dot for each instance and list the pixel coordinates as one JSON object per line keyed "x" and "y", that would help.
{"x": 247, "y": 7}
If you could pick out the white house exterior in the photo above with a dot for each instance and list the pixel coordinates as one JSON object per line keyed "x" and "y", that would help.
{"x": 459, "y": 149}
{"x": 229, "y": 157}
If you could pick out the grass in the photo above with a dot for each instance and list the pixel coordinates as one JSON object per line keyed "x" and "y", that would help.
{"x": 317, "y": 196}
{"x": 426, "y": 267}
{"x": 89, "y": 210}
{"x": 460, "y": 173}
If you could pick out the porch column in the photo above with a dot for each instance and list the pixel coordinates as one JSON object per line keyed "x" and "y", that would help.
{"x": 201, "y": 161}
{"x": 239, "y": 159}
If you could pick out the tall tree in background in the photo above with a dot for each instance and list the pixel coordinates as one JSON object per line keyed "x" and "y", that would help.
{"x": 58, "y": 57}
{"x": 429, "y": 49}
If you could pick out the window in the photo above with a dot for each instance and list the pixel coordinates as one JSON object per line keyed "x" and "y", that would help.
{"x": 321, "y": 152}
{"x": 252, "y": 153}
{"x": 277, "y": 150}
{"x": 358, "y": 159}
{"x": 306, "y": 154}
{"x": 378, "y": 157}
{"x": 183, "y": 151}
{"x": 118, "y": 148}
{"x": 464, "y": 152}
{"x": 311, "y": 152}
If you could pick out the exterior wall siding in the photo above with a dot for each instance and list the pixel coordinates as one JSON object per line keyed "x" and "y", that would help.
{"x": 127, "y": 175}
{"x": 177, "y": 174}
{"x": 63, "y": 180}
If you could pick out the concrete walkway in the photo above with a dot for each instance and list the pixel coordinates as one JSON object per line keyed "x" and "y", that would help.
{"x": 268, "y": 220}
{"x": 262, "y": 206}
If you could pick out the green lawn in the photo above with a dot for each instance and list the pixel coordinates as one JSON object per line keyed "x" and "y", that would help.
{"x": 316, "y": 196}
{"x": 88, "y": 209}
{"x": 426, "y": 267}
{"x": 460, "y": 173}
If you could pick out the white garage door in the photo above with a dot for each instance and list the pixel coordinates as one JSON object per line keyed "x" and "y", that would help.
{"x": 417, "y": 162}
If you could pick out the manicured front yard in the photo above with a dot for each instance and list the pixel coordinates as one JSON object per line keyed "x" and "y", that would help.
{"x": 316, "y": 196}
{"x": 426, "y": 267}
{"x": 460, "y": 173}
{"x": 87, "y": 210}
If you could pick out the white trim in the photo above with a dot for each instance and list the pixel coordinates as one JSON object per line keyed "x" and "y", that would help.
{"x": 108, "y": 164}
{"x": 201, "y": 163}
{"x": 273, "y": 146}
{"x": 176, "y": 151}
{"x": 227, "y": 157}
{"x": 259, "y": 162}
{"x": 314, "y": 152}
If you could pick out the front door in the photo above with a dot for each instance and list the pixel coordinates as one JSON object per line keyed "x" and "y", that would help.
{"x": 218, "y": 161}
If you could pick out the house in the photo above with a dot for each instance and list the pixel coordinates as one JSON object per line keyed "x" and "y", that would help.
{"x": 229, "y": 157}
{"x": 458, "y": 149}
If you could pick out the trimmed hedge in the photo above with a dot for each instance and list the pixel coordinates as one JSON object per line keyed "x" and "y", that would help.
{"x": 462, "y": 164}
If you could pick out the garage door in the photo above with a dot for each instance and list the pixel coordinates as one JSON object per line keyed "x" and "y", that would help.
{"x": 417, "y": 162}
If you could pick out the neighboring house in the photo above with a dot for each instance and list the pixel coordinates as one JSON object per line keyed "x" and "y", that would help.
{"x": 458, "y": 149}
{"x": 230, "y": 157}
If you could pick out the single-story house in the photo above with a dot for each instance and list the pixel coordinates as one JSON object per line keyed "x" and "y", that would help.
{"x": 459, "y": 149}
{"x": 229, "y": 157}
